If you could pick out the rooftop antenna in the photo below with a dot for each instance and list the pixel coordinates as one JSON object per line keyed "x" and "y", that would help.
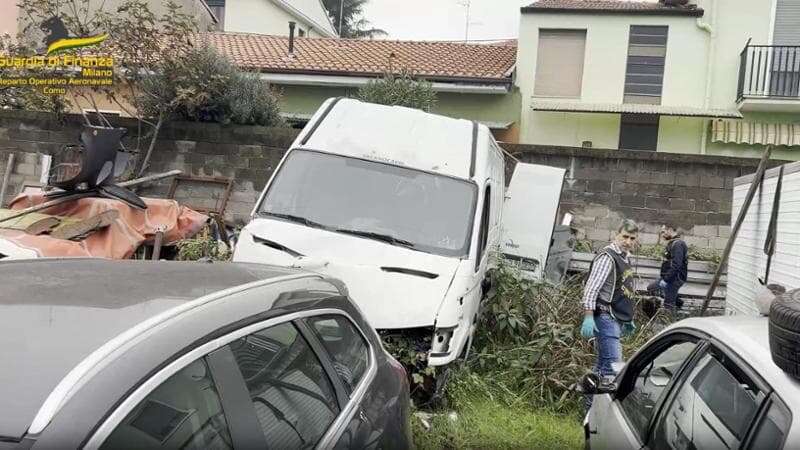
{"x": 466, "y": 4}
{"x": 341, "y": 15}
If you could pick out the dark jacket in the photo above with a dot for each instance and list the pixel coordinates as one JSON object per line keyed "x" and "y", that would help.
{"x": 675, "y": 266}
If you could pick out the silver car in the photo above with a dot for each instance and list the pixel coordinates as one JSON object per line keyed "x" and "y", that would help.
{"x": 705, "y": 383}
{"x": 125, "y": 354}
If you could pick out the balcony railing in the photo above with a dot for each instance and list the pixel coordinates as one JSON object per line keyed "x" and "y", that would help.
{"x": 769, "y": 72}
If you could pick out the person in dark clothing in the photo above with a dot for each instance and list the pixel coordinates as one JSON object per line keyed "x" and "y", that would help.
{"x": 674, "y": 268}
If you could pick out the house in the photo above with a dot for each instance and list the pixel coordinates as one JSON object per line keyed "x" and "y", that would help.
{"x": 472, "y": 81}
{"x": 709, "y": 77}
{"x": 273, "y": 17}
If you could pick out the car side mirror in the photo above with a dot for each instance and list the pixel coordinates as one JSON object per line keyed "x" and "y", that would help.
{"x": 593, "y": 384}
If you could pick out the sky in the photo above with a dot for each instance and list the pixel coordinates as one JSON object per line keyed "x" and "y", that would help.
{"x": 446, "y": 19}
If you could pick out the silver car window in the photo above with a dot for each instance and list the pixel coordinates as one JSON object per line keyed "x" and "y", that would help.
{"x": 773, "y": 428}
{"x": 713, "y": 409}
{"x": 651, "y": 383}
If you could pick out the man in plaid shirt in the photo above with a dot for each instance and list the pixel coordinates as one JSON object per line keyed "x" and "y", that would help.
{"x": 608, "y": 299}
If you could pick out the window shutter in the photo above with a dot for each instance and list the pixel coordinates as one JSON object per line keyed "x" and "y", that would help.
{"x": 559, "y": 64}
{"x": 787, "y": 18}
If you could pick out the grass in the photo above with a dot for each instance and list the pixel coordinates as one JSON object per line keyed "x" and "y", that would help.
{"x": 484, "y": 423}
{"x": 485, "y": 415}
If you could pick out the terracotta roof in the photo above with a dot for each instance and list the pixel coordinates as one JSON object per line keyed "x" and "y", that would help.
{"x": 611, "y": 7}
{"x": 329, "y": 56}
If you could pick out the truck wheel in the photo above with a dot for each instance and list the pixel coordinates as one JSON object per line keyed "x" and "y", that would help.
{"x": 784, "y": 332}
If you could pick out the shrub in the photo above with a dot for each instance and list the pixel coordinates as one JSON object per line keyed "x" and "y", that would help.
{"x": 399, "y": 90}
{"x": 204, "y": 86}
{"x": 527, "y": 344}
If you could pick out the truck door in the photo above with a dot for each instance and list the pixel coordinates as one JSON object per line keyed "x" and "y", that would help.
{"x": 530, "y": 217}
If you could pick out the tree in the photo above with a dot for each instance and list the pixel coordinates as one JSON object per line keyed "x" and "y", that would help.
{"x": 205, "y": 86}
{"x": 142, "y": 45}
{"x": 353, "y": 23}
{"x": 400, "y": 90}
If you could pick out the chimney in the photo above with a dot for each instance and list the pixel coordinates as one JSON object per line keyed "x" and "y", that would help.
{"x": 291, "y": 38}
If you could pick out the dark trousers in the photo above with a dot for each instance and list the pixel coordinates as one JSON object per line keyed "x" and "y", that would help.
{"x": 669, "y": 293}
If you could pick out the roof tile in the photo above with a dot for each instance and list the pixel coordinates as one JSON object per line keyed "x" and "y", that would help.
{"x": 618, "y": 6}
{"x": 432, "y": 60}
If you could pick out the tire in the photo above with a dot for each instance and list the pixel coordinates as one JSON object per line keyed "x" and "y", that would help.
{"x": 784, "y": 332}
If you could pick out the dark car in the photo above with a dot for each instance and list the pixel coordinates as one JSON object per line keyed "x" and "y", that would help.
{"x": 126, "y": 354}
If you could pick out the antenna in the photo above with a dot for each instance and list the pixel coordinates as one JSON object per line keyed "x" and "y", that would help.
{"x": 465, "y": 4}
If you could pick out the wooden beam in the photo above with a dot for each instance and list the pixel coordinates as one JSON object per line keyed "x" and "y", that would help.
{"x": 759, "y": 176}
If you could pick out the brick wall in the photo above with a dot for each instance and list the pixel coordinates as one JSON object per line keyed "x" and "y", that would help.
{"x": 691, "y": 191}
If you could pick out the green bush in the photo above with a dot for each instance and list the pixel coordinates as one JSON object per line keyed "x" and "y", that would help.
{"x": 399, "y": 90}
{"x": 528, "y": 344}
{"x": 204, "y": 86}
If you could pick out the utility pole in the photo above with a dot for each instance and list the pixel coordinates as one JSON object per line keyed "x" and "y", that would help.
{"x": 341, "y": 15}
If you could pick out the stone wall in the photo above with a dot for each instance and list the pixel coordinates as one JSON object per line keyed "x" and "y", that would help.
{"x": 604, "y": 186}
{"x": 691, "y": 191}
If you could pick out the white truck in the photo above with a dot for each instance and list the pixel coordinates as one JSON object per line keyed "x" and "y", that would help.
{"x": 405, "y": 207}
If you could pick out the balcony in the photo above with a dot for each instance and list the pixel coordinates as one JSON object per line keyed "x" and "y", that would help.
{"x": 769, "y": 78}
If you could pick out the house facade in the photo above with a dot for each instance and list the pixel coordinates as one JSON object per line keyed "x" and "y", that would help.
{"x": 273, "y": 16}
{"x": 710, "y": 77}
{"x": 472, "y": 81}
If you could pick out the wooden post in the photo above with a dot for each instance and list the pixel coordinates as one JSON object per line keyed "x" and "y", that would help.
{"x": 158, "y": 241}
{"x": 757, "y": 178}
{"x": 6, "y": 176}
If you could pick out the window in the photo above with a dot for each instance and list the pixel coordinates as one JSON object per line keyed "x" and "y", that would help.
{"x": 651, "y": 380}
{"x": 292, "y": 395}
{"x": 771, "y": 431}
{"x": 713, "y": 409}
{"x": 483, "y": 238}
{"x": 644, "y": 74}
{"x": 346, "y": 345}
{"x": 638, "y": 132}
{"x": 183, "y": 412}
{"x": 559, "y": 63}
{"x": 375, "y": 200}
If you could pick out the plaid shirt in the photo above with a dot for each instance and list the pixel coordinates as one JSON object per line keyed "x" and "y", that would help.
{"x": 601, "y": 269}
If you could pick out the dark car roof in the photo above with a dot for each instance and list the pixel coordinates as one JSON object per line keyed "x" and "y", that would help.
{"x": 54, "y": 313}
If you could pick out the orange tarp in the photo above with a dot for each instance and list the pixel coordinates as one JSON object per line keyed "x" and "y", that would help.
{"x": 117, "y": 241}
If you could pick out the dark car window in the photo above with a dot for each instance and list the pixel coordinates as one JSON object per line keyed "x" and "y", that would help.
{"x": 712, "y": 409}
{"x": 183, "y": 412}
{"x": 347, "y": 347}
{"x": 651, "y": 381}
{"x": 772, "y": 430}
{"x": 292, "y": 395}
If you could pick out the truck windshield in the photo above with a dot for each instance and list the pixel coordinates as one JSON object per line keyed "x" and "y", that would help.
{"x": 400, "y": 206}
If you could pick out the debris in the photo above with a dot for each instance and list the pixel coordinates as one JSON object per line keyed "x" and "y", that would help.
{"x": 83, "y": 227}
{"x": 78, "y": 195}
{"x": 32, "y": 223}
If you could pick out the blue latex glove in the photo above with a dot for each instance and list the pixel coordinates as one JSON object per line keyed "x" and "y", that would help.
{"x": 587, "y": 327}
{"x": 628, "y": 328}
{"x": 662, "y": 284}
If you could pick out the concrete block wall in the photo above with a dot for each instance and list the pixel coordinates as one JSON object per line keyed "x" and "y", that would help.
{"x": 248, "y": 154}
{"x": 605, "y": 186}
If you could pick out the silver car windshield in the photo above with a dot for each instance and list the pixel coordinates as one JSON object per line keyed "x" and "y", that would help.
{"x": 400, "y": 206}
